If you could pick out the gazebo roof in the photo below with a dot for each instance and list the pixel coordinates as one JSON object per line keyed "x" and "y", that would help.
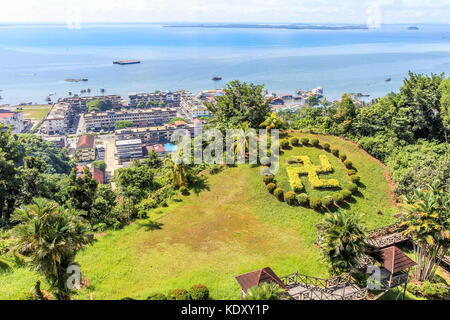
{"x": 394, "y": 259}
{"x": 254, "y": 278}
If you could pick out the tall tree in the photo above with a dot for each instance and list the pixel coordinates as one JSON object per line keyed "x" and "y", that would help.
{"x": 51, "y": 236}
{"x": 80, "y": 192}
{"x": 427, "y": 222}
{"x": 241, "y": 102}
{"x": 10, "y": 156}
{"x": 445, "y": 106}
{"x": 343, "y": 241}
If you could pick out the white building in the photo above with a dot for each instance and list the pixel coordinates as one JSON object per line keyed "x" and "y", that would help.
{"x": 56, "y": 121}
{"x": 127, "y": 150}
{"x": 14, "y": 119}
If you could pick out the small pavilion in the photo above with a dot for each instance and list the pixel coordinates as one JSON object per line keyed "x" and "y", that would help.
{"x": 255, "y": 278}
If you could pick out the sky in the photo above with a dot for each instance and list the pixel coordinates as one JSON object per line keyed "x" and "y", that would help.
{"x": 77, "y": 12}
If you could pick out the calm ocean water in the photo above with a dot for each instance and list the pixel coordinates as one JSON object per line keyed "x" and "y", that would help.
{"x": 35, "y": 60}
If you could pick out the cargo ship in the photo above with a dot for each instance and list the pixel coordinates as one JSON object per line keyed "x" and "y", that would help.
{"x": 122, "y": 62}
{"x": 216, "y": 78}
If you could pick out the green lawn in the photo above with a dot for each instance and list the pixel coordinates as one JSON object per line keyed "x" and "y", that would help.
{"x": 35, "y": 112}
{"x": 232, "y": 227}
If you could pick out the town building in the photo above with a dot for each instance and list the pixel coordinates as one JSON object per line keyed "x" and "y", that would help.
{"x": 79, "y": 103}
{"x": 127, "y": 150}
{"x": 156, "y": 134}
{"x": 14, "y": 119}
{"x": 59, "y": 141}
{"x": 97, "y": 174}
{"x": 85, "y": 148}
{"x": 166, "y": 98}
{"x": 97, "y": 121}
{"x": 57, "y": 120}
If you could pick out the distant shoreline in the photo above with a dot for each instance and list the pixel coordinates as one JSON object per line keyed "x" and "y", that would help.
{"x": 269, "y": 26}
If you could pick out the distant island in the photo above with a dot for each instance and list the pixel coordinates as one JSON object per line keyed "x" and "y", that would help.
{"x": 413, "y": 28}
{"x": 269, "y": 26}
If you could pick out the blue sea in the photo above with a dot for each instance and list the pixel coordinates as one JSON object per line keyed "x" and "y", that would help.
{"x": 35, "y": 59}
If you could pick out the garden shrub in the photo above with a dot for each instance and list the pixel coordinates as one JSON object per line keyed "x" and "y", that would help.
{"x": 178, "y": 294}
{"x": 343, "y": 156}
{"x": 315, "y": 203}
{"x": 335, "y": 151}
{"x": 267, "y": 178}
{"x": 315, "y": 142}
{"x": 351, "y": 172}
{"x": 294, "y": 141}
{"x": 327, "y": 202}
{"x": 157, "y": 296}
{"x": 264, "y": 161}
{"x": 294, "y": 179}
{"x": 355, "y": 178}
{"x": 312, "y": 172}
{"x": 279, "y": 194}
{"x": 303, "y": 200}
{"x": 348, "y": 164}
{"x": 433, "y": 290}
{"x": 347, "y": 194}
{"x": 271, "y": 187}
{"x": 304, "y": 141}
{"x": 291, "y": 160}
{"x": 199, "y": 292}
{"x": 338, "y": 197}
{"x": 284, "y": 144}
{"x": 290, "y": 198}
{"x": 184, "y": 191}
{"x": 326, "y": 147}
{"x": 352, "y": 187}
{"x": 411, "y": 287}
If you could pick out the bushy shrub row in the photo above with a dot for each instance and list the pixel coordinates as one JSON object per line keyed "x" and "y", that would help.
{"x": 284, "y": 144}
{"x": 196, "y": 292}
{"x": 290, "y": 198}
{"x": 271, "y": 187}
{"x": 279, "y": 194}
{"x": 268, "y": 178}
{"x": 294, "y": 141}
{"x": 294, "y": 179}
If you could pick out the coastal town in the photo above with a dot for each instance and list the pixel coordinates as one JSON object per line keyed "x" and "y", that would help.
{"x": 97, "y": 135}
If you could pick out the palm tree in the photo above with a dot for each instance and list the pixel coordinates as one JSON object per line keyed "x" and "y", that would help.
{"x": 427, "y": 222}
{"x": 178, "y": 173}
{"x": 266, "y": 291}
{"x": 50, "y": 236}
{"x": 343, "y": 241}
{"x": 242, "y": 140}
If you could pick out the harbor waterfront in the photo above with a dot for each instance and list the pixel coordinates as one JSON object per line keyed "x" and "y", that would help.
{"x": 51, "y": 60}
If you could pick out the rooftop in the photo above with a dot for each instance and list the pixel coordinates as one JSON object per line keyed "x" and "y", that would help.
{"x": 394, "y": 259}
{"x": 86, "y": 141}
{"x": 254, "y": 278}
{"x": 128, "y": 142}
{"x": 4, "y": 115}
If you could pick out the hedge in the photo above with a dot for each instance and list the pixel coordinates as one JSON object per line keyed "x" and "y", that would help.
{"x": 290, "y": 198}
{"x": 348, "y": 164}
{"x": 267, "y": 178}
{"x": 294, "y": 178}
{"x": 315, "y": 142}
{"x": 279, "y": 194}
{"x": 294, "y": 141}
{"x": 302, "y": 199}
{"x": 338, "y": 197}
{"x": 315, "y": 203}
{"x": 343, "y": 156}
{"x": 284, "y": 144}
{"x": 178, "y": 294}
{"x": 355, "y": 178}
{"x": 351, "y": 172}
{"x": 157, "y": 296}
{"x": 304, "y": 141}
{"x": 271, "y": 187}
{"x": 328, "y": 202}
{"x": 199, "y": 292}
{"x": 352, "y": 187}
{"x": 335, "y": 151}
{"x": 347, "y": 194}
{"x": 326, "y": 147}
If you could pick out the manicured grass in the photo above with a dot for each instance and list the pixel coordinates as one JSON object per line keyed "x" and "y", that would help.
{"x": 37, "y": 112}
{"x": 232, "y": 227}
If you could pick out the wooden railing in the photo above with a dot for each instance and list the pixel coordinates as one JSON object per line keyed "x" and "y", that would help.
{"x": 323, "y": 289}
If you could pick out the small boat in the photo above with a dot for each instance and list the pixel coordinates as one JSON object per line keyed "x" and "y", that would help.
{"x": 216, "y": 78}
{"x": 102, "y": 90}
{"x": 387, "y": 79}
{"x": 70, "y": 93}
{"x": 123, "y": 62}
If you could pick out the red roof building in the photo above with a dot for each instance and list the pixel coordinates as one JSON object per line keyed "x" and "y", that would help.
{"x": 254, "y": 278}
{"x": 98, "y": 175}
{"x": 86, "y": 142}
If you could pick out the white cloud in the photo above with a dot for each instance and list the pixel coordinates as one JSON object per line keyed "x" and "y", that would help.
{"x": 348, "y": 11}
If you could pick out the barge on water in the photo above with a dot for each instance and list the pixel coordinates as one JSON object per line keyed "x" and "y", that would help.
{"x": 122, "y": 62}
